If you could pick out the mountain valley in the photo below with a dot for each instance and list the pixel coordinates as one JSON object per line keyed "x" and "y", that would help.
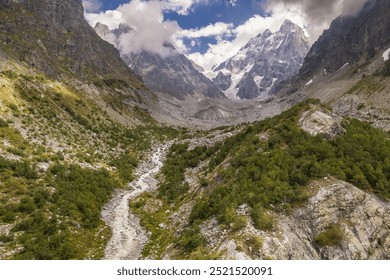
{"x": 283, "y": 152}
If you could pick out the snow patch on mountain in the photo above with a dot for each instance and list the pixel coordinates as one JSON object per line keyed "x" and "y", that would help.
{"x": 173, "y": 74}
{"x": 309, "y": 82}
{"x": 237, "y": 76}
{"x": 386, "y": 55}
{"x": 342, "y": 67}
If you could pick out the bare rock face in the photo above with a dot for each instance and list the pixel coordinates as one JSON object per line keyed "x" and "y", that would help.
{"x": 214, "y": 113}
{"x": 319, "y": 121}
{"x": 54, "y": 38}
{"x": 363, "y": 219}
{"x": 175, "y": 75}
{"x": 350, "y": 40}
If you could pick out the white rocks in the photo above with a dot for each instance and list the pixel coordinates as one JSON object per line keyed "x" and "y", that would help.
{"x": 232, "y": 253}
{"x": 386, "y": 55}
{"x": 363, "y": 218}
{"x": 319, "y": 121}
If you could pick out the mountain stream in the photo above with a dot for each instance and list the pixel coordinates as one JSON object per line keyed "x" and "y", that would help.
{"x": 128, "y": 237}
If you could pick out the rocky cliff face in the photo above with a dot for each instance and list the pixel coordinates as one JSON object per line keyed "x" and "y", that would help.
{"x": 346, "y": 67}
{"x": 356, "y": 223}
{"x": 264, "y": 61}
{"x": 362, "y": 219}
{"x": 54, "y": 38}
{"x": 350, "y": 40}
{"x": 173, "y": 74}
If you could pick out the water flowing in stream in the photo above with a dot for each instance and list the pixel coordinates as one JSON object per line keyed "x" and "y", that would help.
{"x": 128, "y": 237}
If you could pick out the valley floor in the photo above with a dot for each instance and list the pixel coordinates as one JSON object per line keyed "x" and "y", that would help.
{"x": 128, "y": 237}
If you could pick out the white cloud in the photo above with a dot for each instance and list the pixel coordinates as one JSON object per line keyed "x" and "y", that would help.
{"x": 110, "y": 18}
{"x": 314, "y": 16}
{"x": 216, "y": 29}
{"x": 317, "y": 14}
{"x": 91, "y": 6}
{"x": 150, "y": 32}
{"x": 149, "y": 29}
{"x": 182, "y": 7}
{"x": 232, "y": 3}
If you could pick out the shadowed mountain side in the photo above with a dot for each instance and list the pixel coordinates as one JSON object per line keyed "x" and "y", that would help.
{"x": 58, "y": 41}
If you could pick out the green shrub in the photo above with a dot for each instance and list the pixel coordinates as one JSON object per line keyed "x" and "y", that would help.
{"x": 261, "y": 220}
{"x": 191, "y": 239}
{"x": 176, "y": 163}
{"x": 8, "y": 217}
{"x": 332, "y": 236}
{"x": 5, "y": 238}
{"x": 3, "y": 123}
{"x": 13, "y": 107}
{"x": 9, "y": 74}
{"x": 125, "y": 166}
{"x": 273, "y": 174}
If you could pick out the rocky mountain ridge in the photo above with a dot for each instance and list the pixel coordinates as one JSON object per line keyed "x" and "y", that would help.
{"x": 350, "y": 40}
{"x": 74, "y": 128}
{"x": 263, "y": 61}
{"x": 174, "y": 74}
{"x": 362, "y": 223}
{"x": 346, "y": 67}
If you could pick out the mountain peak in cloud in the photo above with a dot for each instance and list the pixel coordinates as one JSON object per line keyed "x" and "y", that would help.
{"x": 317, "y": 14}
{"x": 288, "y": 26}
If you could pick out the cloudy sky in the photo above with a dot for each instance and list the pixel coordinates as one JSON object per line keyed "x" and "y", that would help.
{"x": 210, "y": 31}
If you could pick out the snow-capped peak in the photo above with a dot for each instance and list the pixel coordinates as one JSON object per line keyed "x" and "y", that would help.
{"x": 271, "y": 56}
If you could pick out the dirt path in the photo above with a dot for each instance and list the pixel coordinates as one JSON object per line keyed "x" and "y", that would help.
{"x": 128, "y": 237}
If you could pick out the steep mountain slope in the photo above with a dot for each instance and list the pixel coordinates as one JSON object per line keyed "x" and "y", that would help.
{"x": 305, "y": 184}
{"x": 173, "y": 74}
{"x": 59, "y": 43}
{"x": 350, "y": 40}
{"x": 57, "y": 40}
{"x": 264, "y": 61}
{"x": 347, "y": 68}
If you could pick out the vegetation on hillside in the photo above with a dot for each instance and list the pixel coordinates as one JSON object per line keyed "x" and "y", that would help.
{"x": 268, "y": 166}
{"x": 61, "y": 156}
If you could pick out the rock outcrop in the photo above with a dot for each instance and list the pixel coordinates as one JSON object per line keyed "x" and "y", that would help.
{"x": 319, "y": 121}
{"x": 173, "y": 73}
{"x": 363, "y": 219}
